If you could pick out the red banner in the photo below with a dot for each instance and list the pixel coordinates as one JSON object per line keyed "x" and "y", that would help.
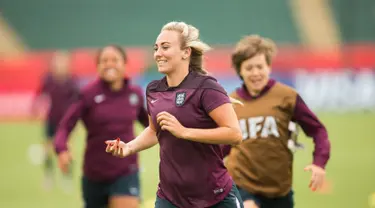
{"x": 23, "y": 73}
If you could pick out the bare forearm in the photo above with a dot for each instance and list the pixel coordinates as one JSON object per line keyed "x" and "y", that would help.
{"x": 220, "y": 135}
{"x": 145, "y": 140}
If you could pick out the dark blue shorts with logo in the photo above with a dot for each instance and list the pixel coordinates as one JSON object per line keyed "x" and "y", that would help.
{"x": 232, "y": 200}
{"x": 97, "y": 194}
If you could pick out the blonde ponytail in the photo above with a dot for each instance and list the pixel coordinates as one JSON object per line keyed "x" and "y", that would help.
{"x": 190, "y": 38}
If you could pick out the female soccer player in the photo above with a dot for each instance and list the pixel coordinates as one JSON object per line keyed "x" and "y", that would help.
{"x": 108, "y": 108}
{"x": 61, "y": 89}
{"x": 190, "y": 115}
{"x": 261, "y": 165}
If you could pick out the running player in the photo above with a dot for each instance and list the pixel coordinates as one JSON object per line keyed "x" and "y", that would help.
{"x": 190, "y": 116}
{"x": 108, "y": 108}
{"x": 61, "y": 89}
{"x": 262, "y": 165}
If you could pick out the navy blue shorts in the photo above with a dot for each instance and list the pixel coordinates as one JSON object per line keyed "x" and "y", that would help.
{"x": 232, "y": 200}
{"x": 265, "y": 202}
{"x": 50, "y": 130}
{"x": 97, "y": 194}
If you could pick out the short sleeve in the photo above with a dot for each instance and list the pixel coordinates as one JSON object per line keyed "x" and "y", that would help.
{"x": 152, "y": 85}
{"x": 147, "y": 108}
{"x": 213, "y": 95}
{"x": 142, "y": 114}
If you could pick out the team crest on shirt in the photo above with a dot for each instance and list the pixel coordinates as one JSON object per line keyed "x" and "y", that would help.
{"x": 133, "y": 99}
{"x": 180, "y": 98}
{"x": 99, "y": 98}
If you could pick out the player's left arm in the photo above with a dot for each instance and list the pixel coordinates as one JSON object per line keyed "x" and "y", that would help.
{"x": 228, "y": 131}
{"x": 218, "y": 106}
{"x": 314, "y": 128}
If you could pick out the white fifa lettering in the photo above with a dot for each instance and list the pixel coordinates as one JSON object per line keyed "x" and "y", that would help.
{"x": 270, "y": 127}
{"x": 254, "y": 126}
{"x": 243, "y": 126}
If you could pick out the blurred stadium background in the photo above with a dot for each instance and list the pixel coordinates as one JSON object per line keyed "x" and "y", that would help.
{"x": 326, "y": 51}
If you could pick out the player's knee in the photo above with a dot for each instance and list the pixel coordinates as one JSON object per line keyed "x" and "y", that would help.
{"x": 124, "y": 201}
{"x": 250, "y": 204}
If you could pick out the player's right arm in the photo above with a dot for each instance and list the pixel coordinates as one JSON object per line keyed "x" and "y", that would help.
{"x": 40, "y": 93}
{"x": 66, "y": 126}
{"x": 145, "y": 140}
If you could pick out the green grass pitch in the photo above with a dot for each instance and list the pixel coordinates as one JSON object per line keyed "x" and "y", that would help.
{"x": 351, "y": 168}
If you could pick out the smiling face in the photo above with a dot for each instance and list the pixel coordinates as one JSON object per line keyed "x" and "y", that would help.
{"x": 255, "y": 72}
{"x": 252, "y": 60}
{"x": 168, "y": 51}
{"x": 111, "y": 64}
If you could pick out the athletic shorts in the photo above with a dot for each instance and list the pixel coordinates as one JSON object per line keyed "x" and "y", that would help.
{"x": 97, "y": 194}
{"x": 232, "y": 200}
{"x": 50, "y": 130}
{"x": 266, "y": 202}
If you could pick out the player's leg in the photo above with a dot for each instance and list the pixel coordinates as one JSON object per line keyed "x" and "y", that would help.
{"x": 249, "y": 200}
{"x": 232, "y": 200}
{"x": 48, "y": 154}
{"x": 125, "y": 192}
{"x": 48, "y": 160}
{"x": 250, "y": 204}
{"x": 66, "y": 183}
{"x": 95, "y": 194}
{"x": 162, "y": 203}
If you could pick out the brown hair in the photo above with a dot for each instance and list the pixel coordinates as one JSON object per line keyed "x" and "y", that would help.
{"x": 116, "y": 47}
{"x": 190, "y": 38}
{"x": 250, "y": 46}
